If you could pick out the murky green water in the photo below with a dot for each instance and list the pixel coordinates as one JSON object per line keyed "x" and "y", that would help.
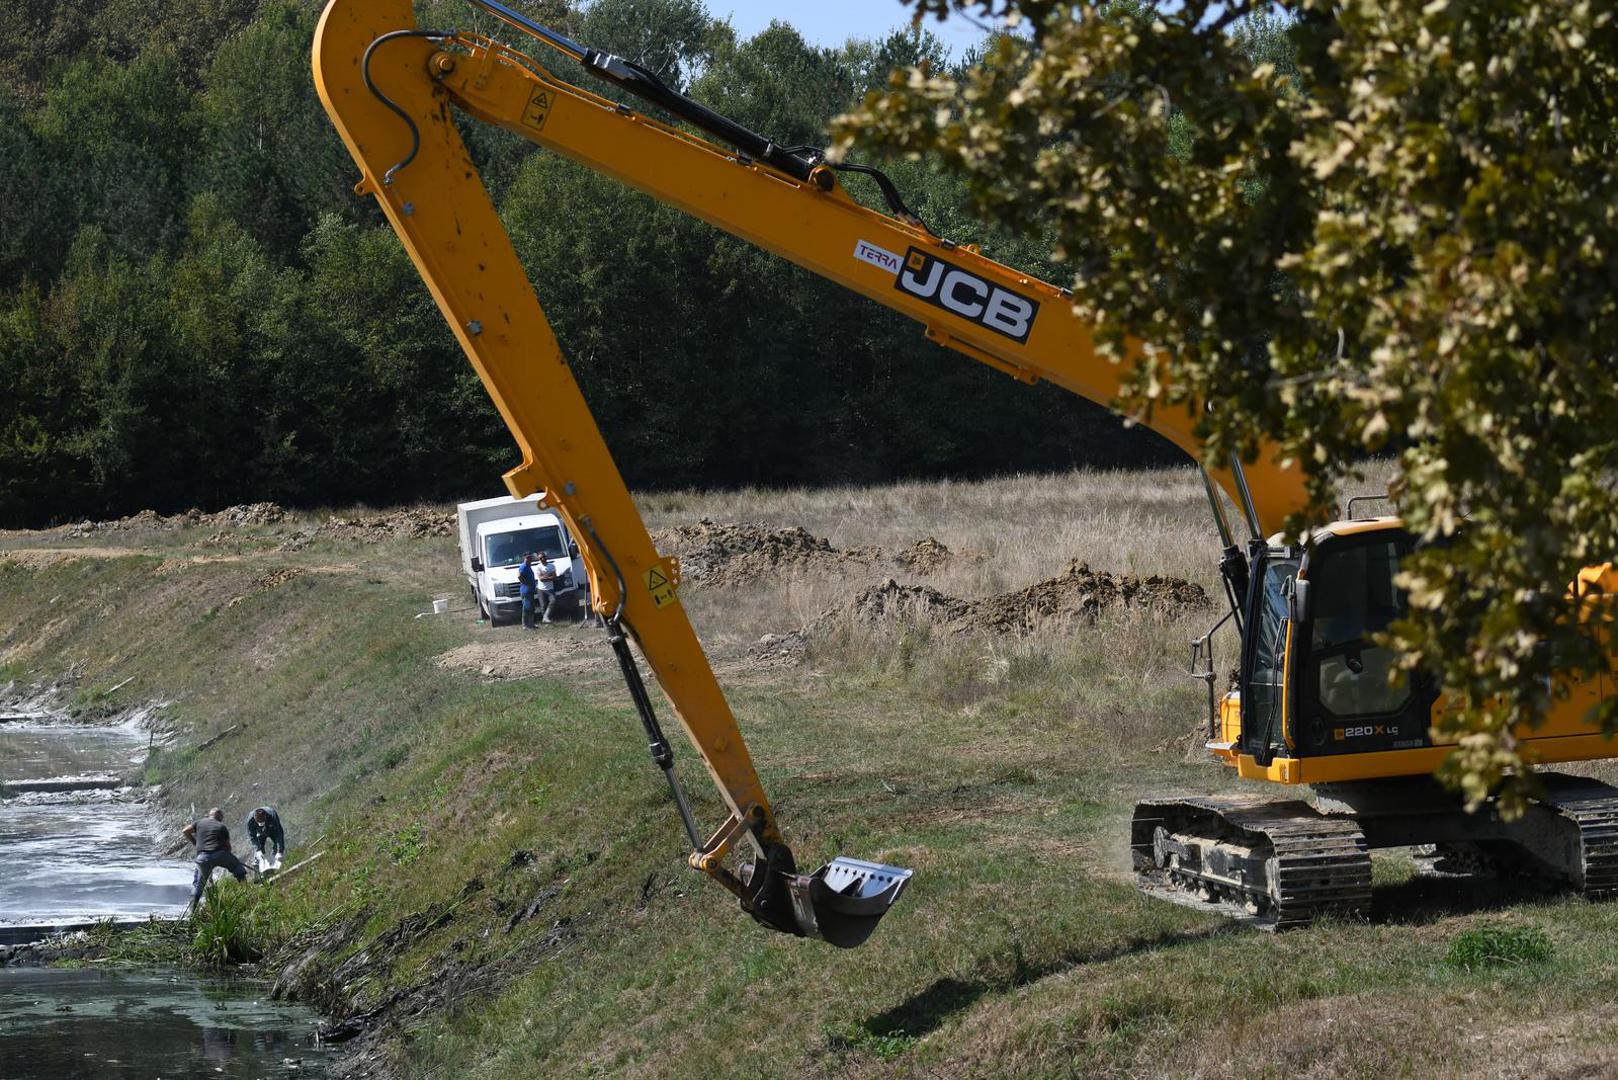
{"x": 60, "y": 1024}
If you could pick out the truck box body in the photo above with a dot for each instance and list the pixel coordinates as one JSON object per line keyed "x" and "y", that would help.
{"x": 495, "y": 534}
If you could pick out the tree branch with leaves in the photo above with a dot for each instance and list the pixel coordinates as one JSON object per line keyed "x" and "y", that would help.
{"x": 1352, "y": 227}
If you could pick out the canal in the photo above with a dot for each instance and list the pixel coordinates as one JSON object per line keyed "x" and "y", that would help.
{"x": 78, "y": 845}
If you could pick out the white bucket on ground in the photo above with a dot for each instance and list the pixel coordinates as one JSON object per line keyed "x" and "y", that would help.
{"x": 440, "y": 607}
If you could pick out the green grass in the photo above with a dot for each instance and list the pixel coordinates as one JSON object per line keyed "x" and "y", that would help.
{"x": 505, "y": 852}
{"x": 1499, "y": 946}
{"x": 229, "y": 928}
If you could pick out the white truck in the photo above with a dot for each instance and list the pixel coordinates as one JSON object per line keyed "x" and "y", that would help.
{"x": 495, "y": 535}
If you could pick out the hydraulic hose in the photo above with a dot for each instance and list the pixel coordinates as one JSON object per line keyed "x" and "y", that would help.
{"x": 365, "y": 72}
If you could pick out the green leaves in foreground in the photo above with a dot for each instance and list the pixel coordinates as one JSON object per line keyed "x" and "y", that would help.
{"x": 1351, "y": 227}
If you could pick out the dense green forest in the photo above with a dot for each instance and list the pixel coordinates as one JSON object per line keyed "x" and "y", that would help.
{"x": 195, "y": 309}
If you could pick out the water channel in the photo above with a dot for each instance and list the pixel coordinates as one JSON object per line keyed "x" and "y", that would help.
{"x": 77, "y": 846}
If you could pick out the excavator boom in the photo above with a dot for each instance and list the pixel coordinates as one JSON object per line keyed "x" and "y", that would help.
{"x": 392, "y": 88}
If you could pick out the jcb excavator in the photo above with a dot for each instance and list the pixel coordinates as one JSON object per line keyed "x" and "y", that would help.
{"x": 1313, "y": 705}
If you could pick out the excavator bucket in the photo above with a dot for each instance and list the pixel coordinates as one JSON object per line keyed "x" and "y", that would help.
{"x": 842, "y": 902}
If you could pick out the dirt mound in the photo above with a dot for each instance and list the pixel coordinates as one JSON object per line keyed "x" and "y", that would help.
{"x": 144, "y": 521}
{"x": 262, "y": 584}
{"x": 929, "y": 556}
{"x": 714, "y": 554}
{"x": 892, "y": 602}
{"x": 778, "y": 650}
{"x": 411, "y": 523}
{"x": 1078, "y": 594}
{"x": 245, "y": 515}
{"x": 1084, "y": 593}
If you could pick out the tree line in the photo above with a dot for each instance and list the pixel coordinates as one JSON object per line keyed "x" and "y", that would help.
{"x": 195, "y": 310}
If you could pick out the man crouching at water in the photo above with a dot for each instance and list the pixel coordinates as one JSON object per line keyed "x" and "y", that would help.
{"x": 213, "y": 850}
{"x": 264, "y": 831}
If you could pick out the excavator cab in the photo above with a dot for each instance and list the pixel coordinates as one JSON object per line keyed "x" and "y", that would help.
{"x": 1315, "y": 677}
{"x": 1350, "y": 695}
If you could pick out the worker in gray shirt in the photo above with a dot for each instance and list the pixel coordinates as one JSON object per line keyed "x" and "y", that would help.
{"x": 212, "y": 839}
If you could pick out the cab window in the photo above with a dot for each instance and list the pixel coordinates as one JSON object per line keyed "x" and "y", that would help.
{"x": 1354, "y": 600}
{"x": 1266, "y": 686}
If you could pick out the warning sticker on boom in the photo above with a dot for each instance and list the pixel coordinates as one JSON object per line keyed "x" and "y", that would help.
{"x": 538, "y": 109}
{"x": 659, "y": 585}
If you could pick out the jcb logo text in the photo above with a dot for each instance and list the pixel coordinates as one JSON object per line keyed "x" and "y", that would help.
{"x": 963, "y": 293}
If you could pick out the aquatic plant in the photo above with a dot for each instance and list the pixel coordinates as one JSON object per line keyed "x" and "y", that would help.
{"x": 227, "y": 928}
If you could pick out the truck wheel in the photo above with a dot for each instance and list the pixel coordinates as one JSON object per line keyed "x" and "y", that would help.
{"x": 483, "y": 612}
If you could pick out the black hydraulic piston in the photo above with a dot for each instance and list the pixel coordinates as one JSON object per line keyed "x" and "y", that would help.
{"x": 658, "y": 743}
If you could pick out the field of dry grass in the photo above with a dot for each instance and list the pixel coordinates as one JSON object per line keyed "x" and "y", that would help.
{"x": 504, "y": 894}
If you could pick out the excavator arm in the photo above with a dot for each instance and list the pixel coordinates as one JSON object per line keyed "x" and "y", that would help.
{"x": 392, "y": 88}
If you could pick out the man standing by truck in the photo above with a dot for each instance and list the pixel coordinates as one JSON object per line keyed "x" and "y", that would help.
{"x": 528, "y": 587}
{"x": 495, "y": 534}
{"x": 547, "y": 586}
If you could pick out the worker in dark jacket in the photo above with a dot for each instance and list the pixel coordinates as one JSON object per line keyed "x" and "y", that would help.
{"x": 212, "y": 839}
{"x": 528, "y": 589}
{"x": 264, "y": 830}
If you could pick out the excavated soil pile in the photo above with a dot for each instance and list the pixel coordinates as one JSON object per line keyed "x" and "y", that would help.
{"x": 1078, "y": 594}
{"x": 1084, "y": 593}
{"x": 929, "y": 556}
{"x": 246, "y": 516}
{"x": 726, "y": 555}
{"x": 273, "y": 579}
{"x": 243, "y": 516}
{"x": 891, "y": 602}
{"x": 413, "y": 523}
{"x": 713, "y": 554}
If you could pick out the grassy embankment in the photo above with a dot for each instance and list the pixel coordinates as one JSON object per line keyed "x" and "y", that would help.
{"x": 503, "y": 877}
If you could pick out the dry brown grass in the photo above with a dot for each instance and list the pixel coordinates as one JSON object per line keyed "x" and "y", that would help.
{"x": 1121, "y": 678}
{"x": 1030, "y": 526}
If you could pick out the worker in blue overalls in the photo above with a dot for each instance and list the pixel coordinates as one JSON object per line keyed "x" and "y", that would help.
{"x": 528, "y": 588}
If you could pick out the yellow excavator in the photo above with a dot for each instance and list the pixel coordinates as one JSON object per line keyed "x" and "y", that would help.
{"x": 1317, "y": 700}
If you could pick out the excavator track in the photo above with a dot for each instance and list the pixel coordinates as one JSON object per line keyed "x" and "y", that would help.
{"x": 1272, "y": 864}
{"x": 1591, "y": 808}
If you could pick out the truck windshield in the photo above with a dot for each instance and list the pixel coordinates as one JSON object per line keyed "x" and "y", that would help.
{"x": 508, "y": 548}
